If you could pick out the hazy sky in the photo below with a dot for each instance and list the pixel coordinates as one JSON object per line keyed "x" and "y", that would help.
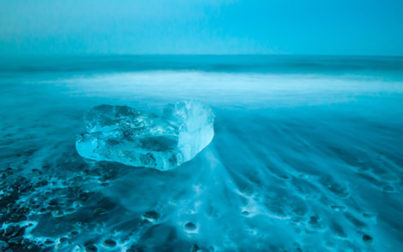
{"x": 370, "y": 27}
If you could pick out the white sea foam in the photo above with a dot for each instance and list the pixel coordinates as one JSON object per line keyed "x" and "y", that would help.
{"x": 297, "y": 162}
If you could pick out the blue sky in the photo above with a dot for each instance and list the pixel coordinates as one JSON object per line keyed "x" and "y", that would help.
{"x": 347, "y": 27}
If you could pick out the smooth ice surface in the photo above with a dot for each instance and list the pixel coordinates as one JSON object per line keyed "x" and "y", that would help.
{"x": 132, "y": 137}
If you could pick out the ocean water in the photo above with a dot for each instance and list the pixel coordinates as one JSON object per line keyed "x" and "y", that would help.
{"x": 307, "y": 155}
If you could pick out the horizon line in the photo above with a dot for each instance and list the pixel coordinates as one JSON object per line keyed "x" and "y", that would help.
{"x": 8, "y": 56}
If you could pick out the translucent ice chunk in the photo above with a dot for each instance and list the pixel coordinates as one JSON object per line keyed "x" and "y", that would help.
{"x": 129, "y": 136}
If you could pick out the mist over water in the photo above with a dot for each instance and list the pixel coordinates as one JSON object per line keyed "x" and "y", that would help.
{"x": 307, "y": 155}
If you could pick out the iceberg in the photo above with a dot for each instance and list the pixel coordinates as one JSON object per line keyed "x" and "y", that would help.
{"x": 129, "y": 136}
